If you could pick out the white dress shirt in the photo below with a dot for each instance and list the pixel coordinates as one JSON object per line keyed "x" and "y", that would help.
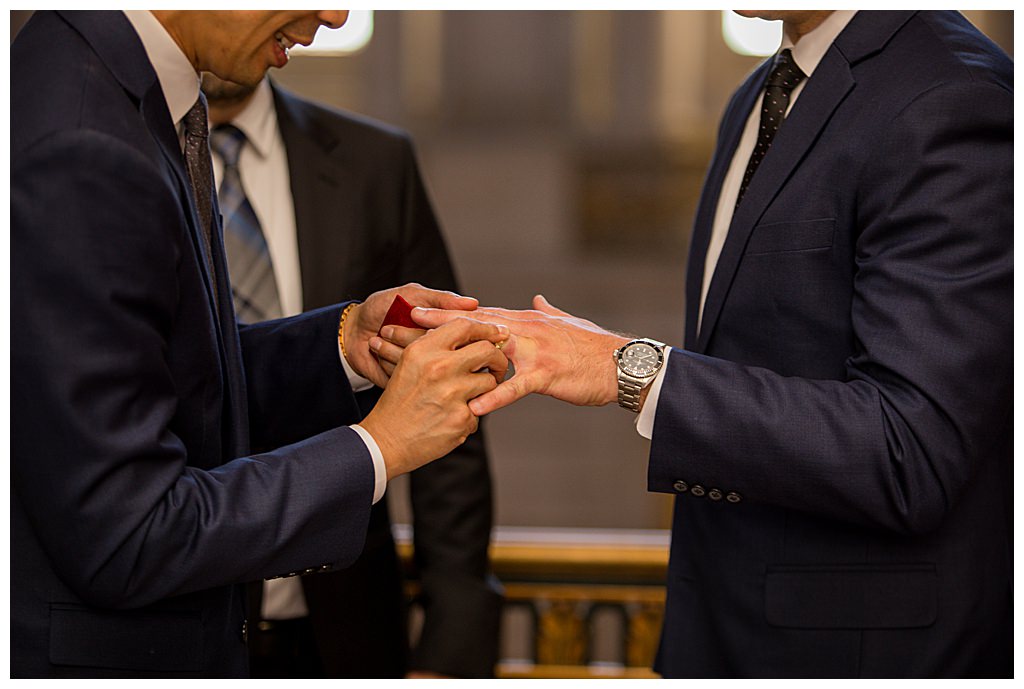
{"x": 807, "y": 53}
{"x": 180, "y": 84}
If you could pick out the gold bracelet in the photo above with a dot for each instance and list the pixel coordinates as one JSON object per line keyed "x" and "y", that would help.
{"x": 341, "y": 328}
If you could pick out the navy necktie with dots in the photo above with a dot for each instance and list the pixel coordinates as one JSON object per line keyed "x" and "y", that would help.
{"x": 784, "y": 77}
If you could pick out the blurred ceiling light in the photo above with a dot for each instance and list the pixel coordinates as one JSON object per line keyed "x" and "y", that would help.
{"x": 750, "y": 36}
{"x": 350, "y": 38}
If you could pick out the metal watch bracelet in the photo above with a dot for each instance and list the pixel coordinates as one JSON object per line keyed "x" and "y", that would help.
{"x": 629, "y": 393}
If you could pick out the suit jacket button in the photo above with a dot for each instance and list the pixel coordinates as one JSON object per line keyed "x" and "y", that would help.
{"x": 680, "y": 486}
{"x": 715, "y": 494}
{"x": 697, "y": 491}
{"x": 325, "y": 568}
{"x": 245, "y": 631}
{"x": 733, "y": 497}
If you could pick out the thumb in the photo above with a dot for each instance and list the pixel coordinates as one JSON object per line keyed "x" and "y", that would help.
{"x": 433, "y": 318}
{"x": 456, "y": 302}
{"x": 543, "y": 305}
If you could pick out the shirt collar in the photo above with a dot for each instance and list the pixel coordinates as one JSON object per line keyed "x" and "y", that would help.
{"x": 807, "y": 53}
{"x": 178, "y": 78}
{"x": 258, "y": 121}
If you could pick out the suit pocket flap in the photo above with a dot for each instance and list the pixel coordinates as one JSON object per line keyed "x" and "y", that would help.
{"x": 144, "y": 641}
{"x": 791, "y": 236}
{"x": 869, "y": 597}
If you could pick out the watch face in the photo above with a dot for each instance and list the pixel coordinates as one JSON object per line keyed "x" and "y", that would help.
{"x": 640, "y": 360}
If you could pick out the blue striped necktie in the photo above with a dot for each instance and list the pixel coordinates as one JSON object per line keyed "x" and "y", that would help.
{"x": 252, "y": 273}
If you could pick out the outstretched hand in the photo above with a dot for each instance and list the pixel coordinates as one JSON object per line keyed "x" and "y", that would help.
{"x": 554, "y": 353}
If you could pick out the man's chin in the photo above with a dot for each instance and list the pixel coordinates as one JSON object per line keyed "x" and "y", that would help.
{"x": 220, "y": 90}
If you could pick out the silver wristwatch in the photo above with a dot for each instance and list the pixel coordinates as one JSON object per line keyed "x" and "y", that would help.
{"x": 637, "y": 363}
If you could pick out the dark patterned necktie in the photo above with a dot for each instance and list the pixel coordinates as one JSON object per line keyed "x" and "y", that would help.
{"x": 200, "y": 175}
{"x": 252, "y": 272}
{"x": 784, "y": 77}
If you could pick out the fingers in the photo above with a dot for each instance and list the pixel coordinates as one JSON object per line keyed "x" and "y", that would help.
{"x": 513, "y": 389}
{"x": 477, "y": 384}
{"x": 386, "y": 352}
{"x": 422, "y": 296}
{"x": 483, "y": 355}
{"x": 392, "y": 342}
{"x": 401, "y": 336}
{"x": 462, "y": 331}
{"x": 435, "y": 318}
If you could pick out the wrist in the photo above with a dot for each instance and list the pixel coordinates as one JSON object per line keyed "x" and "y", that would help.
{"x": 611, "y": 391}
{"x": 346, "y": 334}
{"x": 637, "y": 365}
{"x": 389, "y": 453}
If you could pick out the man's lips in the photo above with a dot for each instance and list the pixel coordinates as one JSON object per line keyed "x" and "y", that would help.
{"x": 283, "y": 41}
{"x": 282, "y": 44}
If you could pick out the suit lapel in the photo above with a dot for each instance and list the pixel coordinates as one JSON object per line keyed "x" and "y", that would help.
{"x": 113, "y": 39}
{"x": 729, "y": 139}
{"x": 323, "y": 231}
{"x": 825, "y": 90}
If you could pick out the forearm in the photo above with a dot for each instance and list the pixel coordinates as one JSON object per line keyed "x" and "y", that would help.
{"x": 861, "y": 451}
{"x": 296, "y": 384}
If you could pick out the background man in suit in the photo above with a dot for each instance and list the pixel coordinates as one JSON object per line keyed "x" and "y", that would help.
{"x": 345, "y": 214}
{"x": 838, "y": 429}
{"x": 137, "y": 505}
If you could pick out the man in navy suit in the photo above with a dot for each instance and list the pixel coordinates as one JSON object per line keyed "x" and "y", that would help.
{"x": 137, "y": 506}
{"x": 838, "y": 429}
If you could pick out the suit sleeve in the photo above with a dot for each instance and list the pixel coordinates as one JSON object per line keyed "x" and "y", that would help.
{"x": 295, "y": 382}
{"x": 451, "y": 498}
{"x": 124, "y": 513}
{"x": 927, "y": 392}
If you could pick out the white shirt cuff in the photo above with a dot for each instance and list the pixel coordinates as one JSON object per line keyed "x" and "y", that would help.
{"x": 357, "y": 382}
{"x": 380, "y": 471}
{"x": 645, "y": 419}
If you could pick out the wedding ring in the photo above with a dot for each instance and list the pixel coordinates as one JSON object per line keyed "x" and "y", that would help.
{"x": 500, "y": 345}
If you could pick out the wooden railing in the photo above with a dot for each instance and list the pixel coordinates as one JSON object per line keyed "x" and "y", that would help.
{"x": 579, "y": 603}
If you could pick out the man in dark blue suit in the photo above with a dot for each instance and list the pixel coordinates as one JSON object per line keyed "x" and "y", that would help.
{"x": 838, "y": 430}
{"x": 137, "y": 506}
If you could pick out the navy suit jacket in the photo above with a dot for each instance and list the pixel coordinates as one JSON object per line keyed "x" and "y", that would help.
{"x": 839, "y": 432}
{"x": 135, "y": 506}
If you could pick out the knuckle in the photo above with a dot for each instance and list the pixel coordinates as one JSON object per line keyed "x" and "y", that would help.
{"x": 434, "y": 368}
{"x": 464, "y": 417}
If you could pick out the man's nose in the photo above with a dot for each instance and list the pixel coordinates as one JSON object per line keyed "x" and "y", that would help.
{"x": 333, "y": 19}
